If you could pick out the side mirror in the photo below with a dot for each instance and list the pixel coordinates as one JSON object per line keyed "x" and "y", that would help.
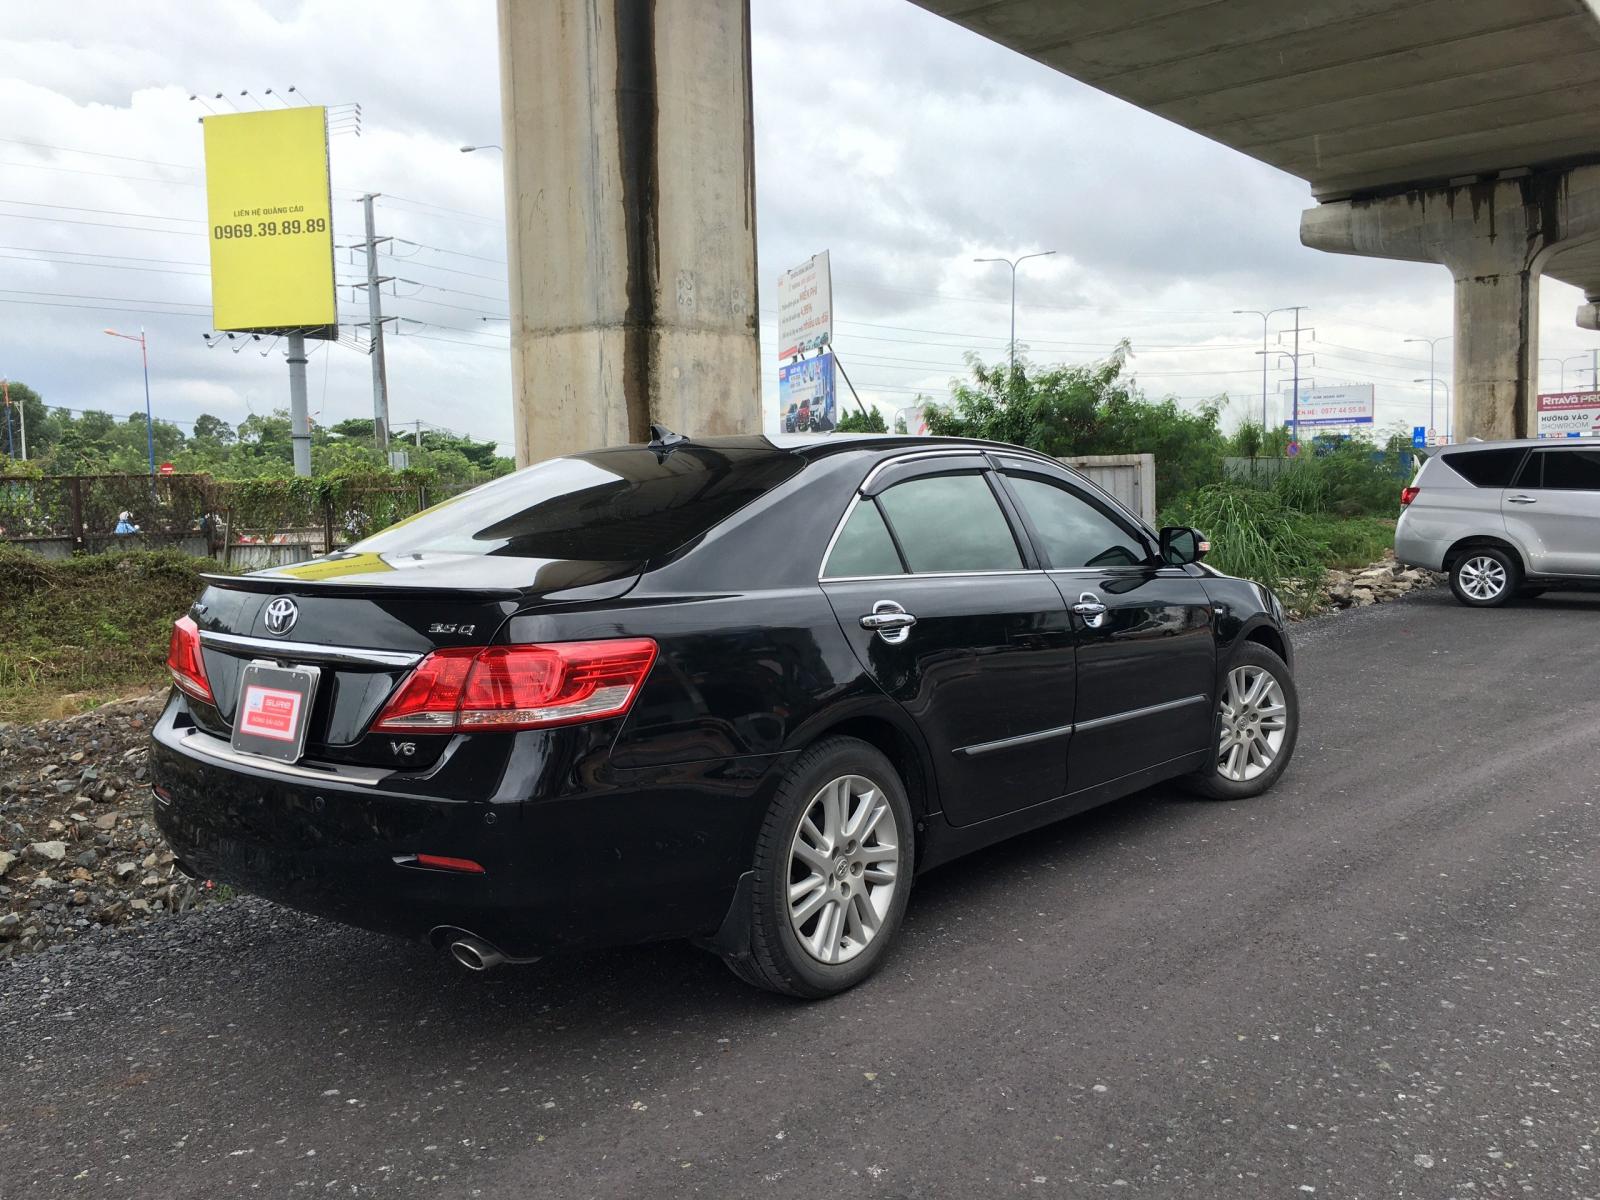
{"x": 1181, "y": 546}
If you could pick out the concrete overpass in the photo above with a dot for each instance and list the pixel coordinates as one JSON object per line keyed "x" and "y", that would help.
{"x": 1459, "y": 132}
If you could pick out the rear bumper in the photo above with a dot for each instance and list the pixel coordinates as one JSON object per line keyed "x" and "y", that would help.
{"x": 1419, "y": 541}
{"x": 613, "y": 859}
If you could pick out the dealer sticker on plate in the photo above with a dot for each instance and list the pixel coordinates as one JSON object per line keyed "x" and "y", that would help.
{"x": 274, "y": 710}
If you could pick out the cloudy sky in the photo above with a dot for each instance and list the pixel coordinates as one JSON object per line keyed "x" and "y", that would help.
{"x": 906, "y": 147}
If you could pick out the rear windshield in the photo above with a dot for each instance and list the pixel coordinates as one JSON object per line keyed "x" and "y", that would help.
{"x": 1486, "y": 468}
{"x": 625, "y": 505}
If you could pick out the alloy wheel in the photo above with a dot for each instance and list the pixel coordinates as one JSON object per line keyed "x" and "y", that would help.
{"x": 1255, "y": 721}
{"x": 843, "y": 869}
{"x": 1482, "y": 577}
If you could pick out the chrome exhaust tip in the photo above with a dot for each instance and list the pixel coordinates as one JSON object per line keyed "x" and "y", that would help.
{"x": 475, "y": 954}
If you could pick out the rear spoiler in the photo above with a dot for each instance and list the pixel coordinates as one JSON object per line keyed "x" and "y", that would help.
{"x": 270, "y": 584}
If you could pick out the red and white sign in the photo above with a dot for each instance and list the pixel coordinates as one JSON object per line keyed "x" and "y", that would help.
{"x": 270, "y": 713}
{"x": 1569, "y": 414}
{"x": 167, "y": 469}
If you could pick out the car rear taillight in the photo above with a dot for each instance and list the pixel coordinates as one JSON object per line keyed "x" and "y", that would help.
{"x": 184, "y": 661}
{"x": 519, "y": 687}
{"x": 1407, "y": 495}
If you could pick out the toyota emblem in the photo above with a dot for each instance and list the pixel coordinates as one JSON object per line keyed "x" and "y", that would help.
{"x": 281, "y": 614}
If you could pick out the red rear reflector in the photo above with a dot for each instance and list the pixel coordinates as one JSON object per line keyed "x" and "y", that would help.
{"x": 440, "y": 862}
{"x": 1407, "y": 495}
{"x": 188, "y": 668}
{"x": 519, "y": 687}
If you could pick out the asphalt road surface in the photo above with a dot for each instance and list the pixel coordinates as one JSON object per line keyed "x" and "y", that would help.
{"x": 1381, "y": 980}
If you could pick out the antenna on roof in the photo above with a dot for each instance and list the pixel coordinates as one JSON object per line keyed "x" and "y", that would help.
{"x": 661, "y": 437}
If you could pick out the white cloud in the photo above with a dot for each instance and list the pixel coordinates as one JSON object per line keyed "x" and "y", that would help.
{"x": 901, "y": 143}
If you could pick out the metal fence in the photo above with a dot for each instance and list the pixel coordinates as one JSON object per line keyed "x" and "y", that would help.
{"x": 1131, "y": 478}
{"x": 237, "y": 523}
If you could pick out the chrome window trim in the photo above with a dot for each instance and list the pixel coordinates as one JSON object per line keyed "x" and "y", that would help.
{"x": 309, "y": 651}
{"x": 207, "y": 746}
{"x": 909, "y": 575}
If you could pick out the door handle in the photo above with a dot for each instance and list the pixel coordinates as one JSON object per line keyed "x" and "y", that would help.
{"x": 889, "y": 621}
{"x": 1521, "y": 500}
{"x": 1091, "y": 609}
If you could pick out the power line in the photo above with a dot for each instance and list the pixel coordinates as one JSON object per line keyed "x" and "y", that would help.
{"x": 105, "y": 225}
{"x": 104, "y": 212}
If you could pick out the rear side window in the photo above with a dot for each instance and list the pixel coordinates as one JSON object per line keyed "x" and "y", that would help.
{"x": 864, "y": 546}
{"x": 1485, "y": 468}
{"x": 624, "y": 505}
{"x": 951, "y": 523}
{"x": 1570, "y": 470}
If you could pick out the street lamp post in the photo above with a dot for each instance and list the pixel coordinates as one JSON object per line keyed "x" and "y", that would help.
{"x": 149, "y": 421}
{"x": 1264, "y": 318}
{"x": 1013, "y": 264}
{"x": 1432, "y": 342}
{"x": 1449, "y": 427}
{"x": 470, "y": 149}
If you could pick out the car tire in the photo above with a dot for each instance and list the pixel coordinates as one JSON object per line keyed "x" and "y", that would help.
{"x": 828, "y": 938}
{"x": 1268, "y": 722}
{"x": 1485, "y": 577}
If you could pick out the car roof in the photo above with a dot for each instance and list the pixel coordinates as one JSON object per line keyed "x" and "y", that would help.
{"x": 1516, "y": 443}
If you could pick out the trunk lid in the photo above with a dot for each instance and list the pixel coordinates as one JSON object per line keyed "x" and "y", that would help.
{"x": 365, "y": 622}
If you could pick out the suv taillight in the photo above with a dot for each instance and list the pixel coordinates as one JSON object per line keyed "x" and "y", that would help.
{"x": 519, "y": 687}
{"x": 1408, "y": 494}
{"x": 184, "y": 662}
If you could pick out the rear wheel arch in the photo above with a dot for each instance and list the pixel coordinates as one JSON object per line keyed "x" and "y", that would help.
{"x": 904, "y": 752}
{"x": 1477, "y": 541}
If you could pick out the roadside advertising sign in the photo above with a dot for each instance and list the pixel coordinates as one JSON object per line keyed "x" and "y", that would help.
{"x": 270, "y": 222}
{"x": 1321, "y": 407}
{"x": 806, "y": 402}
{"x": 1569, "y": 414}
{"x": 805, "y": 307}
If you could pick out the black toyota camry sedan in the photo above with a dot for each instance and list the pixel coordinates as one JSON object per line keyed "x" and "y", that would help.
{"x": 739, "y": 690}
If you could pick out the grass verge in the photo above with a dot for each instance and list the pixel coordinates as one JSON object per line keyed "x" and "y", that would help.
{"x": 77, "y": 632}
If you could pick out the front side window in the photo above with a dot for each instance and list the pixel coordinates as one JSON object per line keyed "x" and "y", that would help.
{"x": 1568, "y": 470}
{"x": 1073, "y": 532}
{"x": 951, "y": 523}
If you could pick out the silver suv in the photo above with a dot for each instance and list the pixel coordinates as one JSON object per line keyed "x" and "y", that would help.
{"x": 1505, "y": 518}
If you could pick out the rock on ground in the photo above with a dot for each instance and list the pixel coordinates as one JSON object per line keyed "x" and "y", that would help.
{"x": 79, "y": 848}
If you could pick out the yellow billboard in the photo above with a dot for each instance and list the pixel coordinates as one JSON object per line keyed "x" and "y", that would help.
{"x": 271, "y": 224}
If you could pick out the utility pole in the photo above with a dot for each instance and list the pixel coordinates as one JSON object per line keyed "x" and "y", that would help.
{"x": 380, "y": 375}
{"x": 1265, "y": 317}
{"x": 299, "y": 422}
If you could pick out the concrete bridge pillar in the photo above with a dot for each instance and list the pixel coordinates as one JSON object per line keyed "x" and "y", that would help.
{"x": 631, "y": 216}
{"x": 1493, "y": 236}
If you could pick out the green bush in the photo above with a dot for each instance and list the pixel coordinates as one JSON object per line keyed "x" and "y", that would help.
{"x": 85, "y": 629}
{"x": 1255, "y": 535}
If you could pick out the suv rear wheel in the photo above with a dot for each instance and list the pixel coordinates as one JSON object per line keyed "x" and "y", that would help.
{"x": 1485, "y": 577}
{"x": 832, "y": 873}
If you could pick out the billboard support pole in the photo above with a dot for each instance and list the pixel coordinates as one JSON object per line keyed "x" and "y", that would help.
{"x": 380, "y": 375}
{"x": 838, "y": 363}
{"x": 299, "y": 422}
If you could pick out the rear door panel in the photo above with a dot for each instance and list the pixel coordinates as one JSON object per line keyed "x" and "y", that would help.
{"x": 986, "y": 673}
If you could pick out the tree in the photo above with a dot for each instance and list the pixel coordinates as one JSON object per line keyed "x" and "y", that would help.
{"x": 870, "y": 421}
{"x": 214, "y": 429}
{"x": 1073, "y": 410}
